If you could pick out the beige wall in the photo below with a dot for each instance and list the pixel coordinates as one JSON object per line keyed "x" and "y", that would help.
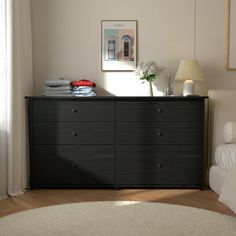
{"x": 66, "y": 40}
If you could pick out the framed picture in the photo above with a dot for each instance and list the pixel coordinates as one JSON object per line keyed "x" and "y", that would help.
{"x": 231, "y": 36}
{"x": 119, "y": 45}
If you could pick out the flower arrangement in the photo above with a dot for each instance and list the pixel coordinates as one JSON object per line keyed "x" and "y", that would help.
{"x": 149, "y": 72}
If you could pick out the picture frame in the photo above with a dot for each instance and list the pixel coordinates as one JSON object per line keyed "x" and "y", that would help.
{"x": 118, "y": 45}
{"x": 231, "y": 35}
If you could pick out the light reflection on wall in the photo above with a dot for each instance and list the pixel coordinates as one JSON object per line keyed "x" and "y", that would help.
{"x": 128, "y": 84}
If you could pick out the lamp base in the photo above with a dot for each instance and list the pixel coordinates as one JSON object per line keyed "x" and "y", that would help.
{"x": 188, "y": 88}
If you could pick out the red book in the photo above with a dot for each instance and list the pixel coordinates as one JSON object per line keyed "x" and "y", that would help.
{"x": 83, "y": 82}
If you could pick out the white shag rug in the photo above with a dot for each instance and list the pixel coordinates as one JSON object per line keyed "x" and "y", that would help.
{"x": 119, "y": 218}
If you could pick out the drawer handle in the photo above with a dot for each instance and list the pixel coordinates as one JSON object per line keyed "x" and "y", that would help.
{"x": 160, "y": 110}
{"x": 74, "y": 110}
{"x": 74, "y": 165}
{"x": 159, "y": 165}
{"x": 74, "y": 134}
{"x": 159, "y": 134}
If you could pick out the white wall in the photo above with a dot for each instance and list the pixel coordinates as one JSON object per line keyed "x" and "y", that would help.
{"x": 67, "y": 39}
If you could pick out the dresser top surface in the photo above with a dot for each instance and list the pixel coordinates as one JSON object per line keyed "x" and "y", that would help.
{"x": 118, "y": 98}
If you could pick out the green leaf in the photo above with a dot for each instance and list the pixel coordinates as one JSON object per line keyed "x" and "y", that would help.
{"x": 143, "y": 78}
{"x": 151, "y": 78}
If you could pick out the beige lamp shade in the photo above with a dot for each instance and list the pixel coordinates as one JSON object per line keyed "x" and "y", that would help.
{"x": 189, "y": 70}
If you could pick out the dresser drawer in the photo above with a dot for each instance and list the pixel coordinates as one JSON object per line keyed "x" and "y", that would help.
{"x": 128, "y": 152}
{"x": 72, "y": 165}
{"x": 117, "y": 142}
{"x": 159, "y": 111}
{"x": 73, "y": 133}
{"x": 158, "y": 165}
{"x": 158, "y": 133}
{"x": 62, "y": 110}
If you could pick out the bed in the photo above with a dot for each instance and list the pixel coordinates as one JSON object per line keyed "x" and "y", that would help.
{"x": 222, "y": 180}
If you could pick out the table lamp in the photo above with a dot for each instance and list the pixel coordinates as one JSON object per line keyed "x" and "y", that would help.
{"x": 188, "y": 71}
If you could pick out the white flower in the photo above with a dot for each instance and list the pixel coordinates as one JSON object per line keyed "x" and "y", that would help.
{"x": 149, "y": 71}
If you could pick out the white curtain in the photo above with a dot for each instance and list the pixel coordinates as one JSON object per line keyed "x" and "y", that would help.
{"x": 16, "y": 81}
{"x": 3, "y": 97}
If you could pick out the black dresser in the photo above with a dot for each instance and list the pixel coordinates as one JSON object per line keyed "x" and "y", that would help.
{"x": 120, "y": 142}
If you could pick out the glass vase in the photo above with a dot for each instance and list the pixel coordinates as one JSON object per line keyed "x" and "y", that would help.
{"x": 169, "y": 91}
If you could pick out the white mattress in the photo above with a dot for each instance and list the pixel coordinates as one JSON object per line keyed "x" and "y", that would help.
{"x": 225, "y": 156}
{"x": 216, "y": 178}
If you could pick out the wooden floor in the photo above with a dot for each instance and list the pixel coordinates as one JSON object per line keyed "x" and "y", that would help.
{"x": 38, "y": 198}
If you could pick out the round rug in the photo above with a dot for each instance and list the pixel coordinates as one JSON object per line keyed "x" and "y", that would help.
{"x": 119, "y": 218}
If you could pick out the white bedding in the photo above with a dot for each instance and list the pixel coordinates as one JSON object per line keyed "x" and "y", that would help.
{"x": 228, "y": 191}
{"x": 222, "y": 109}
{"x": 216, "y": 178}
{"x": 225, "y": 156}
{"x": 223, "y": 176}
